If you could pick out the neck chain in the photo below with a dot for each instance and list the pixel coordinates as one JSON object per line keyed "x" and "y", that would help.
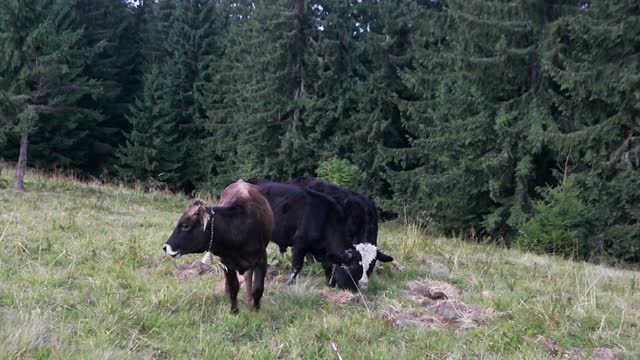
{"x": 212, "y": 224}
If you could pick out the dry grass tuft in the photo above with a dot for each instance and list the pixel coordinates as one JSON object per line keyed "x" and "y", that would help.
{"x": 28, "y": 332}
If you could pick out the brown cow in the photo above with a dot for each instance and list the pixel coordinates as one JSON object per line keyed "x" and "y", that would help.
{"x": 237, "y": 230}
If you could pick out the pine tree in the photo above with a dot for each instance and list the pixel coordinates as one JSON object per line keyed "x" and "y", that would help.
{"x": 256, "y": 118}
{"x": 228, "y": 98}
{"x": 478, "y": 116}
{"x": 334, "y": 61}
{"x": 153, "y": 19}
{"x": 192, "y": 47}
{"x": 592, "y": 60}
{"x": 152, "y": 152}
{"x": 41, "y": 66}
{"x": 112, "y": 23}
{"x": 384, "y": 30}
{"x": 276, "y": 122}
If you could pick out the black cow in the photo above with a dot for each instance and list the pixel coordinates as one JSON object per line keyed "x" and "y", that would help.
{"x": 362, "y": 227}
{"x": 308, "y": 221}
{"x": 238, "y": 230}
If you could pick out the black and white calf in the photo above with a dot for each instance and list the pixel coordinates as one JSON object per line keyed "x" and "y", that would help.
{"x": 354, "y": 273}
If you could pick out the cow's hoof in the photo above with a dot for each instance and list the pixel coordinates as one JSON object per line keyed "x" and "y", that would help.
{"x": 235, "y": 311}
{"x": 291, "y": 281}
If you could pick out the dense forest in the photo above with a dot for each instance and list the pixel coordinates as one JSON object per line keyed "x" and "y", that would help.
{"x": 511, "y": 120}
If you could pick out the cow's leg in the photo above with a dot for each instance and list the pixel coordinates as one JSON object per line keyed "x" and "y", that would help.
{"x": 258, "y": 283}
{"x": 233, "y": 285}
{"x": 329, "y": 269}
{"x": 248, "y": 284}
{"x": 297, "y": 261}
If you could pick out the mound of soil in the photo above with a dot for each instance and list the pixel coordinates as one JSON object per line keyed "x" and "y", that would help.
{"x": 193, "y": 269}
{"x": 605, "y": 354}
{"x": 438, "y": 306}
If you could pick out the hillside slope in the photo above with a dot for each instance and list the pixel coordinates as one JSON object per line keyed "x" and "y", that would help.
{"x": 82, "y": 275}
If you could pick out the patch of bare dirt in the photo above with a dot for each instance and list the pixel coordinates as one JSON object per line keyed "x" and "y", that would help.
{"x": 605, "y": 354}
{"x": 427, "y": 289}
{"x": 192, "y": 269}
{"x": 438, "y": 307}
{"x": 403, "y": 316}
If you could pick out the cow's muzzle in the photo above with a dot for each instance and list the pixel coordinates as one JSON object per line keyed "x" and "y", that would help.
{"x": 169, "y": 251}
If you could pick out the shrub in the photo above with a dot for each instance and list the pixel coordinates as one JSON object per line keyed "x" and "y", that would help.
{"x": 339, "y": 171}
{"x": 561, "y": 225}
{"x": 618, "y": 213}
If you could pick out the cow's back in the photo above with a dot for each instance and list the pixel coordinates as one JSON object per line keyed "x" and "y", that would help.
{"x": 362, "y": 222}
{"x": 289, "y": 204}
{"x": 249, "y": 197}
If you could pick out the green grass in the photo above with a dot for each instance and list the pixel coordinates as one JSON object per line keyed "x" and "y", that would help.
{"x": 82, "y": 276}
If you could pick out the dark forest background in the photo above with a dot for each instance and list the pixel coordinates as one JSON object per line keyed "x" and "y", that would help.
{"x": 511, "y": 120}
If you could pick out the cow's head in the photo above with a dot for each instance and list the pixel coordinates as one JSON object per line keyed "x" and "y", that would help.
{"x": 359, "y": 262}
{"x": 190, "y": 235}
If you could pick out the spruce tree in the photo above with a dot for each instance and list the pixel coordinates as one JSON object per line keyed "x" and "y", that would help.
{"x": 228, "y": 98}
{"x": 592, "y": 61}
{"x": 334, "y": 60}
{"x": 153, "y": 19}
{"x": 256, "y": 118}
{"x": 383, "y": 33}
{"x": 41, "y": 70}
{"x": 276, "y": 122}
{"x": 192, "y": 47}
{"x": 152, "y": 152}
{"x": 112, "y": 23}
{"x": 477, "y": 117}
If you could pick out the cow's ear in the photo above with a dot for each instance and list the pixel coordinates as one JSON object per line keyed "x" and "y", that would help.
{"x": 199, "y": 202}
{"x": 383, "y": 257}
{"x": 203, "y": 214}
{"x": 195, "y": 204}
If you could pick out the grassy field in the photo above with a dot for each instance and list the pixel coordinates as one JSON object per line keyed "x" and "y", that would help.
{"x": 82, "y": 276}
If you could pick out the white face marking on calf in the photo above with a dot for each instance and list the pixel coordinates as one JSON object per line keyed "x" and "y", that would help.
{"x": 170, "y": 251}
{"x": 368, "y": 253}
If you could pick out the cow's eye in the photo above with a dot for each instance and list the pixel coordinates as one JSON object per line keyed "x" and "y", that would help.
{"x": 184, "y": 227}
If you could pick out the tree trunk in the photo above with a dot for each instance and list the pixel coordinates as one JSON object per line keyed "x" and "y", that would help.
{"x": 22, "y": 162}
